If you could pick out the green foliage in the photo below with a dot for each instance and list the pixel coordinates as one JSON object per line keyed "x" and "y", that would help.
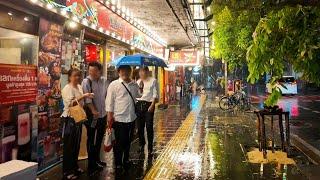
{"x": 273, "y": 98}
{"x": 233, "y": 34}
{"x": 286, "y": 36}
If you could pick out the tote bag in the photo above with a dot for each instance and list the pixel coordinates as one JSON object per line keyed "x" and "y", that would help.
{"x": 77, "y": 112}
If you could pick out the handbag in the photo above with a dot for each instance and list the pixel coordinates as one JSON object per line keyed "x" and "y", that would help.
{"x": 109, "y": 140}
{"x": 77, "y": 112}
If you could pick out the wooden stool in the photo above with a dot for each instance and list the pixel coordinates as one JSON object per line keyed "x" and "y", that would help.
{"x": 285, "y": 137}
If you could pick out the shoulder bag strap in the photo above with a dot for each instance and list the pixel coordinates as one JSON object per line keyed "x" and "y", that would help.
{"x": 90, "y": 84}
{"x": 134, "y": 102}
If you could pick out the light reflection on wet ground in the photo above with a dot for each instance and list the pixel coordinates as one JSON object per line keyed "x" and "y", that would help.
{"x": 208, "y": 144}
{"x": 304, "y": 111}
{"x": 166, "y": 124}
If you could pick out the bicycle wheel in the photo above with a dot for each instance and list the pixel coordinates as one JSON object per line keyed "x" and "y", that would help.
{"x": 225, "y": 103}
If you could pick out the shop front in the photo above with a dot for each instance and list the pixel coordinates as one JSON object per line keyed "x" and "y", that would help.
{"x": 18, "y": 85}
{"x": 36, "y": 50}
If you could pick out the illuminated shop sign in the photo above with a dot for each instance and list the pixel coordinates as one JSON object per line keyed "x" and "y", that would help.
{"x": 96, "y": 15}
{"x": 189, "y": 57}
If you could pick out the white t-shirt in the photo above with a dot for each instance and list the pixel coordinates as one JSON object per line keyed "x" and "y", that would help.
{"x": 150, "y": 89}
{"x": 69, "y": 94}
{"x": 119, "y": 101}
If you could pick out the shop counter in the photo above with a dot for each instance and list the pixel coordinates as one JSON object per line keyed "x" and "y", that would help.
{"x": 18, "y": 170}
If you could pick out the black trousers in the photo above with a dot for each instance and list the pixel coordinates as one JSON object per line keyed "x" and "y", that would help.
{"x": 71, "y": 135}
{"x": 145, "y": 119}
{"x": 123, "y": 134}
{"x": 94, "y": 141}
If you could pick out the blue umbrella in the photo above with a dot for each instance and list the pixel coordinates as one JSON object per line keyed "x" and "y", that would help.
{"x": 139, "y": 60}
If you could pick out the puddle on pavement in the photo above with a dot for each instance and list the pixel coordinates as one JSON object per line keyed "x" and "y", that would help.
{"x": 228, "y": 160}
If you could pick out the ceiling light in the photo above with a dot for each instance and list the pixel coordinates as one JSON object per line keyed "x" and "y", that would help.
{"x": 75, "y": 18}
{"x": 84, "y": 22}
{"x": 49, "y": 6}
{"x": 10, "y": 13}
{"x": 93, "y": 26}
{"x": 72, "y": 24}
{"x": 26, "y": 19}
{"x": 63, "y": 12}
{"x": 34, "y": 1}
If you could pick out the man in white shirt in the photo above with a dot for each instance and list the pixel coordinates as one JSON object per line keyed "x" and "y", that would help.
{"x": 120, "y": 105}
{"x": 148, "y": 87}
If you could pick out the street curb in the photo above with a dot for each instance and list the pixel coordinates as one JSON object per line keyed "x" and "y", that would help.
{"x": 311, "y": 152}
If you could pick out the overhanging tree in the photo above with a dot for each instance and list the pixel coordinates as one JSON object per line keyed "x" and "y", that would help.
{"x": 290, "y": 35}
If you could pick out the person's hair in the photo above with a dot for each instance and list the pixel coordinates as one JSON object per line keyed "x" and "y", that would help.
{"x": 71, "y": 71}
{"x": 124, "y": 67}
{"x": 144, "y": 68}
{"x": 96, "y": 64}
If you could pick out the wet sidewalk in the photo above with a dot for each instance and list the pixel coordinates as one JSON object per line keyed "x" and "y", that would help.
{"x": 166, "y": 124}
{"x": 196, "y": 140}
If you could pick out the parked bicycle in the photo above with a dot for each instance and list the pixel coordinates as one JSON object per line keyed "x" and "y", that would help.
{"x": 238, "y": 100}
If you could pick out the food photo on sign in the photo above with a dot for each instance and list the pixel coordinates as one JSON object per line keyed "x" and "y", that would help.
{"x": 49, "y": 92}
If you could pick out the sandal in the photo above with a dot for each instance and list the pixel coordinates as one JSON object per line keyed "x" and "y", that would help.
{"x": 70, "y": 177}
{"x": 79, "y": 171}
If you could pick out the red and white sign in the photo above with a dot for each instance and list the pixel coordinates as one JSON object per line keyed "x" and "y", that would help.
{"x": 18, "y": 84}
{"x": 91, "y": 53}
{"x": 184, "y": 57}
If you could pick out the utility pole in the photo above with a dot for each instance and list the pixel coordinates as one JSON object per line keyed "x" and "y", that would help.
{"x": 225, "y": 77}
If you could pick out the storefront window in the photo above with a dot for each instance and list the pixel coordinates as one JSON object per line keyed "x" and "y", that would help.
{"x": 17, "y": 47}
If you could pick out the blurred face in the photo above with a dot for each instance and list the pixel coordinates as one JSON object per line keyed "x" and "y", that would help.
{"x": 125, "y": 74}
{"x": 75, "y": 77}
{"x": 143, "y": 74}
{"x": 94, "y": 72}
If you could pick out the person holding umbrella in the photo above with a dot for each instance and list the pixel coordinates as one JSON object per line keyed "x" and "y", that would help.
{"x": 121, "y": 107}
{"x": 148, "y": 87}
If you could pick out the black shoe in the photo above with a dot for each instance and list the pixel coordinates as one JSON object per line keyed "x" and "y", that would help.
{"x": 99, "y": 167}
{"x": 92, "y": 172}
{"x": 79, "y": 171}
{"x": 102, "y": 163}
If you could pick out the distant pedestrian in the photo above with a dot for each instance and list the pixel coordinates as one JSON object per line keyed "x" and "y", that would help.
{"x": 96, "y": 113}
{"x": 71, "y": 94}
{"x": 121, "y": 107}
{"x": 148, "y": 87}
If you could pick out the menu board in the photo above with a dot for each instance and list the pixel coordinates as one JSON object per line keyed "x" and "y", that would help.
{"x": 49, "y": 93}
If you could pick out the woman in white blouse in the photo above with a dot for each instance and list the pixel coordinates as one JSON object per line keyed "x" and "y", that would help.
{"x": 71, "y": 94}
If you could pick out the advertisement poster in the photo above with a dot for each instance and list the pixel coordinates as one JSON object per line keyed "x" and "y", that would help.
{"x": 18, "y": 84}
{"x": 18, "y": 91}
{"x": 184, "y": 57}
{"x": 49, "y": 93}
{"x": 98, "y": 14}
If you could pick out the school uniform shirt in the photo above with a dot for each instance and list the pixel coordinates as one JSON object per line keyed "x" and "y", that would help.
{"x": 119, "y": 101}
{"x": 150, "y": 89}
{"x": 99, "y": 88}
{"x": 69, "y": 94}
